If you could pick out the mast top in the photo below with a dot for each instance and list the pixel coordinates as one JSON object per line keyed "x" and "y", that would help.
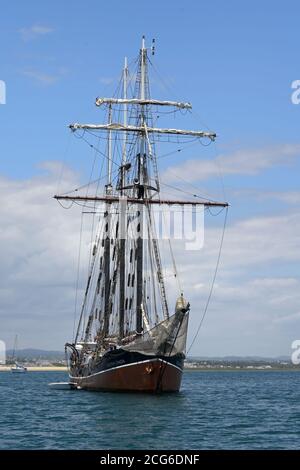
{"x": 152, "y": 48}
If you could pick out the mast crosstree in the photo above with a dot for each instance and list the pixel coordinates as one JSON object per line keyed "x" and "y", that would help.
{"x": 141, "y": 129}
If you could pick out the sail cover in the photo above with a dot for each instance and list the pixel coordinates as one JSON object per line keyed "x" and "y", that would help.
{"x": 166, "y": 338}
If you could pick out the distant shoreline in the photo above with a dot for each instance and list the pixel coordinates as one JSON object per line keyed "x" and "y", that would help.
{"x": 186, "y": 369}
{"x": 242, "y": 369}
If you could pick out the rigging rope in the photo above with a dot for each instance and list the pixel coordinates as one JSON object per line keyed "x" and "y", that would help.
{"x": 188, "y": 192}
{"x": 212, "y": 284}
{"x": 63, "y": 164}
{"x": 221, "y": 175}
{"x": 77, "y": 277}
{"x": 175, "y": 268}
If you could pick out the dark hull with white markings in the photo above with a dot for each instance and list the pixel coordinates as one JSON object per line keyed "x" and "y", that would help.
{"x": 120, "y": 370}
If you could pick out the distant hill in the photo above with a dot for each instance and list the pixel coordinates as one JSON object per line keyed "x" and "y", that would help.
{"x": 31, "y": 353}
{"x": 240, "y": 358}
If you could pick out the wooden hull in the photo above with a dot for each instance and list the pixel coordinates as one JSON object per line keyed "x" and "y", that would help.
{"x": 152, "y": 375}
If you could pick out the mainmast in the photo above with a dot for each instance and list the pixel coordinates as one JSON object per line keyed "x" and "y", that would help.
{"x": 142, "y": 168}
{"x": 107, "y": 232}
{"x": 122, "y": 211}
{"x": 125, "y": 79}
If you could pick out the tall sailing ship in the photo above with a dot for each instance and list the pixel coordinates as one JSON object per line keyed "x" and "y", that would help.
{"x": 128, "y": 337}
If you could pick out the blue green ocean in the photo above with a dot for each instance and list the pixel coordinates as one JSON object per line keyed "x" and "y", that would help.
{"x": 214, "y": 410}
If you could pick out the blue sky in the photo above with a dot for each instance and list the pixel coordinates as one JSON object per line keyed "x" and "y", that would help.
{"x": 235, "y": 61}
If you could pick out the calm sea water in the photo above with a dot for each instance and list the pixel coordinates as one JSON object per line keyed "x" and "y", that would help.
{"x": 214, "y": 410}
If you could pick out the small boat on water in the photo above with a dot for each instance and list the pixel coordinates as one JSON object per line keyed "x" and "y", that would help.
{"x": 17, "y": 368}
{"x": 62, "y": 386}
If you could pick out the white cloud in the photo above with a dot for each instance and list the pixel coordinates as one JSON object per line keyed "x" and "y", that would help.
{"x": 293, "y": 318}
{"x": 34, "y": 31}
{"x": 241, "y": 162}
{"x": 257, "y": 287}
{"x": 38, "y": 247}
{"x": 288, "y": 197}
{"x": 106, "y": 80}
{"x": 41, "y": 77}
{"x": 44, "y": 78}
